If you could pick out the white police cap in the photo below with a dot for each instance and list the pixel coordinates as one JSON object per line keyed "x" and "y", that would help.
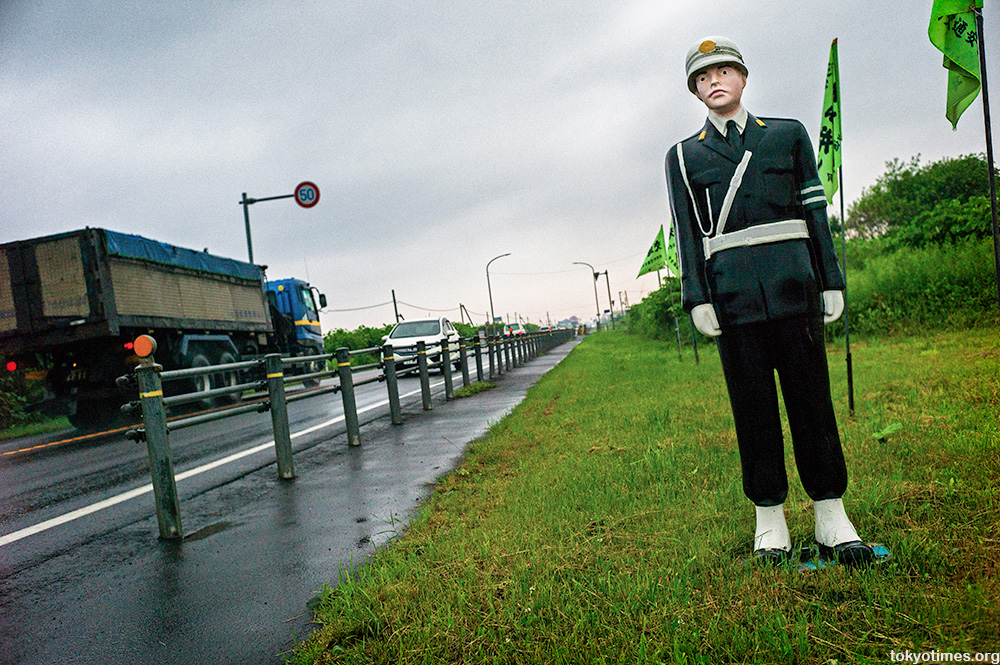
{"x": 711, "y": 51}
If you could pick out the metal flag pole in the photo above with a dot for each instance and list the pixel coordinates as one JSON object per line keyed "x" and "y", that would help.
{"x": 847, "y": 327}
{"x": 989, "y": 148}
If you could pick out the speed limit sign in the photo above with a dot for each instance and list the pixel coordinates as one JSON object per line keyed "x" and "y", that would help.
{"x": 306, "y": 194}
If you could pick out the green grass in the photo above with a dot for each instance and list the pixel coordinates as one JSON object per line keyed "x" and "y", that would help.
{"x": 31, "y": 428}
{"x": 475, "y": 388}
{"x": 604, "y": 521}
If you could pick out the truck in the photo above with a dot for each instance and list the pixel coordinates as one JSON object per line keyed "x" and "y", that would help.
{"x": 71, "y": 305}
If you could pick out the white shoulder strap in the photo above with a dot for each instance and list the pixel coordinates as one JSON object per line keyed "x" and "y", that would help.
{"x": 734, "y": 186}
{"x": 687, "y": 183}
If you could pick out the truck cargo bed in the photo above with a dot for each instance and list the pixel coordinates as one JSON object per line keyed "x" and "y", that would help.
{"x": 91, "y": 283}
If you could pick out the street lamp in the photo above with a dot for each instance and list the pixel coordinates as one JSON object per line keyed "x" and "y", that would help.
{"x": 595, "y": 274}
{"x": 611, "y": 303}
{"x": 490, "y": 289}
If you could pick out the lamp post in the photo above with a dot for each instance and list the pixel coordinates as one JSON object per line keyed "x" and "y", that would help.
{"x": 611, "y": 304}
{"x": 490, "y": 290}
{"x": 595, "y": 274}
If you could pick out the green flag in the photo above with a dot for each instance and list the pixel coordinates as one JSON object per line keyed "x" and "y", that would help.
{"x": 828, "y": 156}
{"x": 953, "y": 32}
{"x": 656, "y": 258}
{"x": 672, "y": 264}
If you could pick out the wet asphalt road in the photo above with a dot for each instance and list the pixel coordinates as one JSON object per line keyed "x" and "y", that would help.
{"x": 105, "y": 589}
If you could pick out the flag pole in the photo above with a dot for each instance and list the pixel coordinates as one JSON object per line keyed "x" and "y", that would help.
{"x": 847, "y": 327}
{"x": 989, "y": 148}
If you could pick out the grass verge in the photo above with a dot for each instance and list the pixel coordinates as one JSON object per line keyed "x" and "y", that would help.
{"x": 31, "y": 428}
{"x": 604, "y": 521}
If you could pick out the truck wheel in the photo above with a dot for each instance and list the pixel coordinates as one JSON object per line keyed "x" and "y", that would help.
{"x": 227, "y": 380}
{"x": 312, "y": 367}
{"x": 202, "y": 383}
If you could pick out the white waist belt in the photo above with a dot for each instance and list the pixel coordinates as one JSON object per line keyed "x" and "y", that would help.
{"x": 789, "y": 229}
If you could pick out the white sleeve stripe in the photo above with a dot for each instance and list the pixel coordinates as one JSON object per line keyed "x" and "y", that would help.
{"x": 814, "y": 199}
{"x": 807, "y": 190}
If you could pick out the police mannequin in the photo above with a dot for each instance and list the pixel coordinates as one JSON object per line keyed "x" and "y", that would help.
{"x": 759, "y": 273}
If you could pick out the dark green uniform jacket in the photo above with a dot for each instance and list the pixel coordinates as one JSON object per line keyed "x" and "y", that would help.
{"x": 757, "y": 280}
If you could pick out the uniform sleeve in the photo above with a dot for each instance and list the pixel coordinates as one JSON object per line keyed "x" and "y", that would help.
{"x": 813, "y": 201}
{"x": 690, "y": 254}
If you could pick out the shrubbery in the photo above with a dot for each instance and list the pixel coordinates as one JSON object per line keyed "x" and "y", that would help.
{"x": 938, "y": 287}
{"x": 922, "y": 256}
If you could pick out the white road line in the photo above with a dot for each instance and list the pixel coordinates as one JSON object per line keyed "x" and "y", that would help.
{"x": 146, "y": 489}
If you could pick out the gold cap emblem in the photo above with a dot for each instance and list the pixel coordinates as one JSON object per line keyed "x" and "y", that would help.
{"x": 707, "y": 46}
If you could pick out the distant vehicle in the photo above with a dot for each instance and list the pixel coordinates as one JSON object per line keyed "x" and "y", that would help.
{"x": 71, "y": 305}
{"x": 513, "y": 329}
{"x": 434, "y": 333}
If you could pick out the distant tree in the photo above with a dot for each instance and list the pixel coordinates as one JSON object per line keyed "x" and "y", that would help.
{"x": 913, "y": 205}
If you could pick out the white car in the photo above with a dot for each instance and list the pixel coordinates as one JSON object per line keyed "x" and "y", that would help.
{"x": 513, "y": 329}
{"x": 433, "y": 333}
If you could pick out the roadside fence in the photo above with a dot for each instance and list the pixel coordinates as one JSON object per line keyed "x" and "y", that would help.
{"x": 256, "y": 386}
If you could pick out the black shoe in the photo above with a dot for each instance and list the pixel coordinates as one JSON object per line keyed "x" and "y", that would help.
{"x": 770, "y": 556}
{"x": 853, "y": 554}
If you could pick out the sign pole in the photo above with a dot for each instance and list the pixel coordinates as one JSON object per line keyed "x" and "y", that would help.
{"x": 306, "y": 195}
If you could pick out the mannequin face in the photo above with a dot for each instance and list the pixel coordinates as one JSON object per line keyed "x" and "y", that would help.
{"x": 720, "y": 88}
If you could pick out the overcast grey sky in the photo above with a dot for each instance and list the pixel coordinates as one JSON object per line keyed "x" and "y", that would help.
{"x": 441, "y": 134}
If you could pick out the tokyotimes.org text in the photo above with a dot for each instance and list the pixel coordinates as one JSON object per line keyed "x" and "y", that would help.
{"x": 943, "y": 657}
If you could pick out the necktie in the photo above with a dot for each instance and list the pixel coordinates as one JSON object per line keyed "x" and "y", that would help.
{"x": 733, "y": 137}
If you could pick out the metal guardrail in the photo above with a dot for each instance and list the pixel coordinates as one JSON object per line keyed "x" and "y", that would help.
{"x": 268, "y": 393}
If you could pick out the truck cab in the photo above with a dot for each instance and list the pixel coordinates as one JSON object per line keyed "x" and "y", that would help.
{"x": 297, "y": 322}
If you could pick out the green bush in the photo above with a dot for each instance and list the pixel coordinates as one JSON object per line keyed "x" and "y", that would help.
{"x": 656, "y": 315}
{"x": 360, "y": 338}
{"x": 905, "y": 290}
{"x": 937, "y": 287}
{"x": 13, "y": 397}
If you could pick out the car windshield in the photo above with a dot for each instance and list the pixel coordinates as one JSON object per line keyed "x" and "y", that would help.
{"x": 416, "y": 329}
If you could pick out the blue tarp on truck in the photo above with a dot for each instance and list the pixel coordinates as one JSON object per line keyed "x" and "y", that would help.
{"x": 137, "y": 247}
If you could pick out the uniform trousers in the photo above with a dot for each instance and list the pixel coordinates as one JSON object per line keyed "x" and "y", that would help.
{"x": 795, "y": 348}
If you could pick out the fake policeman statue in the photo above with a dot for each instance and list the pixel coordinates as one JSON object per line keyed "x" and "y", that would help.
{"x": 759, "y": 273}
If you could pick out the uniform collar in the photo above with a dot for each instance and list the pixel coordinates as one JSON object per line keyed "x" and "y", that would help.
{"x": 720, "y": 123}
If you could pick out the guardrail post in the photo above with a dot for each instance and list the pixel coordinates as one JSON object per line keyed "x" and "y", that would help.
{"x": 154, "y": 418}
{"x": 347, "y": 392}
{"x": 449, "y": 385}
{"x": 508, "y": 360}
{"x": 479, "y": 358}
{"x": 425, "y": 381}
{"x": 279, "y": 415}
{"x": 464, "y": 356}
{"x": 490, "y": 348}
{"x": 392, "y": 384}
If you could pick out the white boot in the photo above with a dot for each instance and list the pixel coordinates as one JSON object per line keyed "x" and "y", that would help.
{"x": 772, "y": 532}
{"x": 832, "y": 525}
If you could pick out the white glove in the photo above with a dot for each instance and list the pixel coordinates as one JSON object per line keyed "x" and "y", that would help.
{"x": 833, "y": 305}
{"x": 705, "y": 320}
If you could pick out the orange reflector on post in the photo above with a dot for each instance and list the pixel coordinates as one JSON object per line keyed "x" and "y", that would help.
{"x": 144, "y": 346}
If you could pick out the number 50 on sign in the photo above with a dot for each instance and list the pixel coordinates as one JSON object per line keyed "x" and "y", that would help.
{"x": 306, "y": 194}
